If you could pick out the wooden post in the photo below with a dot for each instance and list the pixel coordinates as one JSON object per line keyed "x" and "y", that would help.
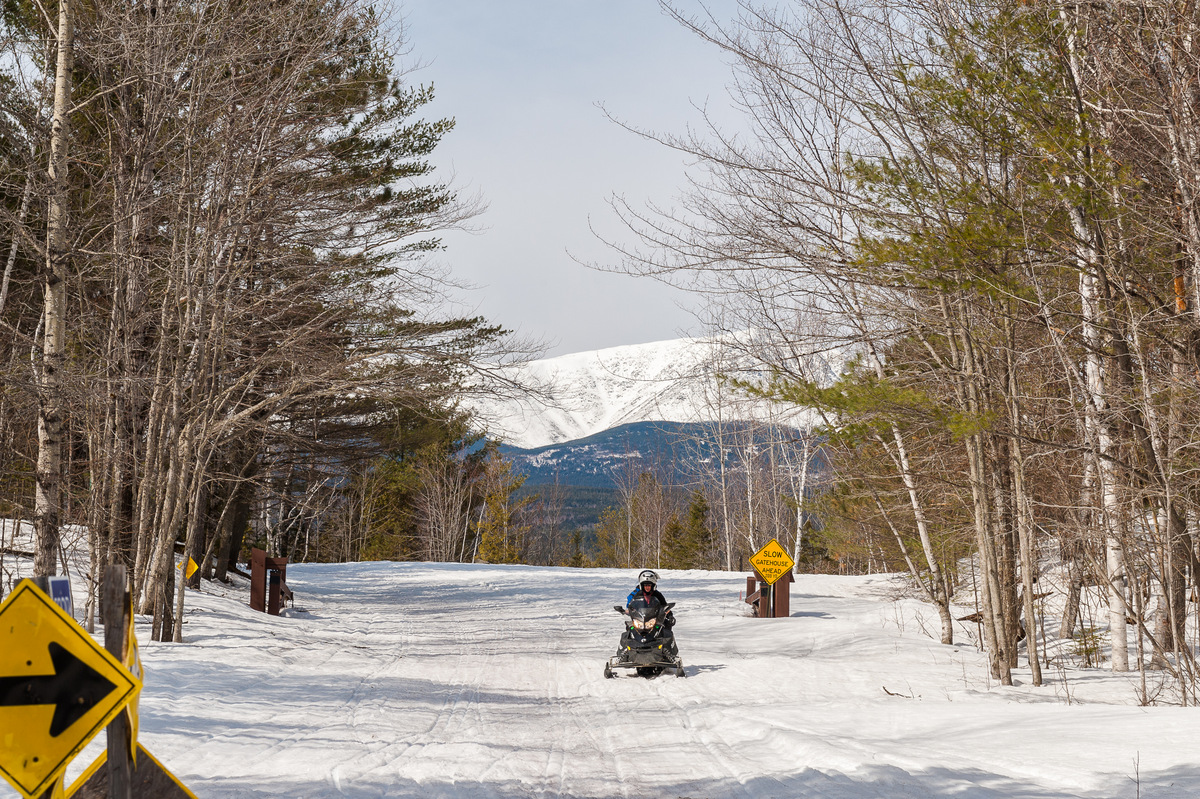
{"x": 258, "y": 580}
{"x": 268, "y": 576}
{"x": 782, "y": 601}
{"x": 274, "y": 592}
{"x": 115, "y": 609}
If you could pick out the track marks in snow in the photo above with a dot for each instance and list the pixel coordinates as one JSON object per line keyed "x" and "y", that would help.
{"x": 448, "y": 706}
{"x": 583, "y": 741}
{"x": 449, "y": 681}
{"x": 716, "y": 749}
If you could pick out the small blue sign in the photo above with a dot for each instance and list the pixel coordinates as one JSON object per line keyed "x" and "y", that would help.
{"x": 60, "y": 592}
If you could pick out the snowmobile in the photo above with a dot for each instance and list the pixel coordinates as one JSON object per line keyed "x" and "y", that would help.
{"x": 647, "y": 644}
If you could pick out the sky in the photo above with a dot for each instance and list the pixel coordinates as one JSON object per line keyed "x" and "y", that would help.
{"x": 524, "y": 80}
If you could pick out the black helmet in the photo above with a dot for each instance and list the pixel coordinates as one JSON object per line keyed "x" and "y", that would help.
{"x": 648, "y": 577}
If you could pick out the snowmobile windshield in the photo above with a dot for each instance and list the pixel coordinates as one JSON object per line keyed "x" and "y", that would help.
{"x": 644, "y": 620}
{"x": 641, "y": 606}
{"x": 643, "y": 615}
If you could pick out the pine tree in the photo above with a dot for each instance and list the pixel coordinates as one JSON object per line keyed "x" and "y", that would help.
{"x": 688, "y": 544}
{"x": 577, "y": 559}
{"x": 610, "y": 539}
{"x": 502, "y": 531}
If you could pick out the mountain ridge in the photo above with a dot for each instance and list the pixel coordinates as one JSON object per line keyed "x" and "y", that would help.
{"x": 676, "y": 381}
{"x": 600, "y": 460}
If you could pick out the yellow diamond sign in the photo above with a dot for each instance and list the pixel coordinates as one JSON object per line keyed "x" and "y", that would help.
{"x": 58, "y": 688}
{"x": 772, "y": 561}
{"x": 189, "y": 568}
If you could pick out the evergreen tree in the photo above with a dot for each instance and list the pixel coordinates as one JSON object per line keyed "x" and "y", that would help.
{"x": 611, "y": 531}
{"x": 689, "y": 544}
{"x": 502, "y": 531}
{"x": 577, "y": 559}
{"x": 417, "y": 500}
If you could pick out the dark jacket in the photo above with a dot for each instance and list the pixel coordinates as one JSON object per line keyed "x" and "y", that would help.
{"x": 655, "y": 596}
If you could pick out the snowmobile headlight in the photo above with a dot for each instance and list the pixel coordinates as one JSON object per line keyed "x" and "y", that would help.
{"x": 638, "y": 624}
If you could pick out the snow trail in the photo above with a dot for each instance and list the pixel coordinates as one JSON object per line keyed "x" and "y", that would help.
{"x": 450, "y": 680}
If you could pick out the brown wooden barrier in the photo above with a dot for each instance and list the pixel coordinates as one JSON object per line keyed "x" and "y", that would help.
{"x": 778, "y": 595}
{"x": 268, "y": 582}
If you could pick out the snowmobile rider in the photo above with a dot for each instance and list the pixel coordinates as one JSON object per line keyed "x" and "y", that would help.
{"x": 648, "y": 590}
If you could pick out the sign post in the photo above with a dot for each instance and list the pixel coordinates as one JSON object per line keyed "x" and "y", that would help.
{"x": 57, "y": 685}
{"x": 126, "y": 770}
{"x": 116, "y": 606}
{"x": 149, "y": 779}
{"x": 771, "y": 562}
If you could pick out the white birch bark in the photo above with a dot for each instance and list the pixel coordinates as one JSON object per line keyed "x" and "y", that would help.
{"x": 904, "y": 467}
{"x": 1101, "y": 437}
{"x": 1099, "y": 432}
{"x": 22, "y": 212}
{"x": 48, "y": 493}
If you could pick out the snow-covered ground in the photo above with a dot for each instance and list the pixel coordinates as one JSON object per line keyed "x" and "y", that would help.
{"x": 442, "y": 680}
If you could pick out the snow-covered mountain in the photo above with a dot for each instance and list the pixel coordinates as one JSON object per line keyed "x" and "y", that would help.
{"x": 590, "y": 392}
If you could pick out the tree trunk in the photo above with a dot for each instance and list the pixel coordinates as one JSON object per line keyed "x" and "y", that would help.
{"x": 26, "y": 196}
{"x": 1004, "y": 517}
{"x": 1021, "y": 507}
{"x": 51, "y": 408}
{"x": 1074, "y": 593}
{"x": 992, "y": 596}
{"x": 235, "y": 530}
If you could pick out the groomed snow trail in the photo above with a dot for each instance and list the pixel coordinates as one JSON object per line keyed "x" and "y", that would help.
{"x": 436, "y": 680}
